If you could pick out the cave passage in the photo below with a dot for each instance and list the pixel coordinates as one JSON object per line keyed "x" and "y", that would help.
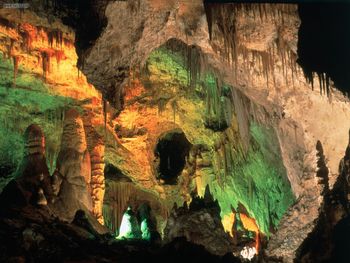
{"x": 171, "y": 151}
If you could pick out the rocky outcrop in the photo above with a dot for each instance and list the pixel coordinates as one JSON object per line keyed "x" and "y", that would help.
{"x": 73, "y": 169}
{"x": 199, "y": 223}
{"x": 33, "y": 235}
{"x": 327, "y": 241}
{"x": 300, "y": 221}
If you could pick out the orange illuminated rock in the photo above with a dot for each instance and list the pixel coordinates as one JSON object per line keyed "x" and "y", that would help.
{"x": 96, "y": 147}
{"x": 250, "y": 225}
{"x": 29, "y": 34}
{"x": 97, "y": 180}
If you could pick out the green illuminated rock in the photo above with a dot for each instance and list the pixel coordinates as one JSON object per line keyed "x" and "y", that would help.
{"x": 29, "y": 102}
{"x": 256, "y": 176}
{"x": 129, "y": 227}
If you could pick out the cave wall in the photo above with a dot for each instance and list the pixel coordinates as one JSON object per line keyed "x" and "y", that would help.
{"x": 148, "y": 90}
{"x": 261, "y": 64}
{"x": 39, "y": 82}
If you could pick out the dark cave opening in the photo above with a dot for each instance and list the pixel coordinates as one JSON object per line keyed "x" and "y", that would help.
{"x": 171, "y": 152}
{"x": 323, "y": 42}
{"x": 112, "y": 172}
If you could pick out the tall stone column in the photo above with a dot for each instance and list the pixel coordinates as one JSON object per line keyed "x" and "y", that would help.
{"x": 96, "y": 149}
{"x": 33, "y": 174}
{"x": 97, "y": 180}
{"x": 73, "y": 171}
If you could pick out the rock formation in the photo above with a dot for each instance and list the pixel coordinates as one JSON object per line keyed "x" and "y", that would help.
{"x": 190, "y": 95}
{"x": 33, "y": 174}
{"x": 73, "y": 169}
{"x": 199, "y": 223}
{"x": 122, "y": 193}
{"x": 327, "y": 239}
{"x": 96, "y": 149}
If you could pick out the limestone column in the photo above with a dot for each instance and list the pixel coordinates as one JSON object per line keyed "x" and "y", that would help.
{"x": 33, "y": 174}
{"x": 96, "y": 148}
{"x": 73, "y": 173}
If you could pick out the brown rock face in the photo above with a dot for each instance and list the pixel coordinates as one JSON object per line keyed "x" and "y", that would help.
{"x": 73, "y": 169}
{"x": 33, "y": 175}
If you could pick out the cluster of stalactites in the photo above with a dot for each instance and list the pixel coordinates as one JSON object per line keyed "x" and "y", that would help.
{"x": 194, "y": 60}
{"x": 224, "y": 16}
{"x": 27, "y": 34}
{"x": 119, "y": 194}
{"x": 323, "y": 79}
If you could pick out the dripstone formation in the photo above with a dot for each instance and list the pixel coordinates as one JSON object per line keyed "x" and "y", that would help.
{"x": 73, "y": 169}
{"x": 32, "y": 185}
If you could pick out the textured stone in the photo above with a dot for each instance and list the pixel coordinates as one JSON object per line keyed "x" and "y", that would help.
{"x": 33, "y": 174}
{"x": 96, "y": 147}
{"x": 199, "y": 224}
{"x": 74, "y": 169}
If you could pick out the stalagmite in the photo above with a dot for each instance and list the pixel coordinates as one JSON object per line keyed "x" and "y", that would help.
{"x": 97, "y": 180}
{"x": 96, "y": 149}
{"x": 33, "y": 174}
{"x": 74, "y": 169}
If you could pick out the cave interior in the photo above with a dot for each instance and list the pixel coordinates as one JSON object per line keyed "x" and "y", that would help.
{"x": 204, "y": 130}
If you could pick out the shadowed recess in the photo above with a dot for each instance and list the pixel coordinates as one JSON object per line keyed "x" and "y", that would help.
{"x": 172, "y": 150}
{"x": 323, "y": 43}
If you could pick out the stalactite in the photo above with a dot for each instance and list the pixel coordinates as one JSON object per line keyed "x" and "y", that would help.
{"x": 104, "y": 106}
{"x": 242, "y": 117}
{"x": 10, "y": 48}
{"x": 193, "y": 60}
{"x": 16, "y": 60}
{"x": 193, "y": 65}
{"x": 68, "y": 43}
{"x": 161, "y": 103}
{"x": 208, "y": 10}
{"x": 224, "y": 16}
{"x": 59, "y": 54}
{"x": 45, "y": 58}
{"x": 119, "y": 194}
{"x": 29, "y": 34}
{"x": 38, "y": 60}
{"x": 55, "y": 36}
{"x": 174, "y": 106}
